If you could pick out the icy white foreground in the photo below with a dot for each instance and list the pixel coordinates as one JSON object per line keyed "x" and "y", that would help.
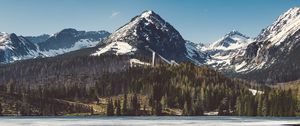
{"x": 147, "y": 121}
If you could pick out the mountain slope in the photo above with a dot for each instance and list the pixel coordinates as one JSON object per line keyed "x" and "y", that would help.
{"x": 147, "y": 30}
{"x": 286, "y": 25}
{"x": 194, "y": 53}
{"x": 274, "y": 56}
{"x": 275, "y": 42}
{"x": 274, "y": 47}
{"x": 38, "y": 39}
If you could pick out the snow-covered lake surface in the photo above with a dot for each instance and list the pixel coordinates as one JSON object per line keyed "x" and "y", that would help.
{"x": 147, "y": 121}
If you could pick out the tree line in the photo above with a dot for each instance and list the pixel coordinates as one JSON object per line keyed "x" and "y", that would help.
{"x": 191, "y": 89}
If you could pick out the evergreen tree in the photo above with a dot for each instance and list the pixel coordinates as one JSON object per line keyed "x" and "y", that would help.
{"x": 125, "y": 104}
{"x": 118, "y": 106}
{"x": 186, "y": 109}
{"x": 92, "y": 110}
{"x": 239, "y": 106}
{"x": 291, "y": 109}
{"x": 250, "y": 105}
{"x": 265, "y": 107}
{"x": 158, "y": 109}
{"x": 135, "y": 104}
{"x": 198, "y": 108}
{"x": 223, "y": 109}
{"x": 110, "y": 108}
{"x": 1, "y": 109}
{"x": 260, "y": 105}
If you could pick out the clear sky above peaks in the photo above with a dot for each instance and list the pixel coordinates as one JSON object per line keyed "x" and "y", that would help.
{"x": 197, "y": 20}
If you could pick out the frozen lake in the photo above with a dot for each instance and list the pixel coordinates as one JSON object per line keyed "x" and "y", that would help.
{"x": 147, "y": 121}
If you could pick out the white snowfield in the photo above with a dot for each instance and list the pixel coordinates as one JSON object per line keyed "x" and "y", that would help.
{"x": 120, "y": 48}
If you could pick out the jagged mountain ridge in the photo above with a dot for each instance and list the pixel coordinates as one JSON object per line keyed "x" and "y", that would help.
{"x": 38, "y": 39}
{"x": 69, "y": 40}
{"x": 68, "y": 37}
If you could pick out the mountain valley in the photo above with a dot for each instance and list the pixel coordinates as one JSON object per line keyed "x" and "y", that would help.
{"x": 146, "y": 67}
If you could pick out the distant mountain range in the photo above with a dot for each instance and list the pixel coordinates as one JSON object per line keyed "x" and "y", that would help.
{"x": 13, "y": 47}
{"x": 272, "y": 55}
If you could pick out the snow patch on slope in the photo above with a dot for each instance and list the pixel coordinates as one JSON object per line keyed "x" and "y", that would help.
{"x": 238, "y": 67}
{"x": 83, "y": 43}
{"x": 119, "y": 48}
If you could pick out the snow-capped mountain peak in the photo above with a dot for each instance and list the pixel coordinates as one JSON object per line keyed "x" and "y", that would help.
{"x": 224, "y": 50}
{"x": 139, "y": 26}
{"x": 147, "y": 13}
{"x": 236, "y": 33}
{"x": 149, "y": 30}
{"x": 230, "y": 41}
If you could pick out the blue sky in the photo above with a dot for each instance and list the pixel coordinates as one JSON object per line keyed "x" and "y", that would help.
{"x": 197, "y": 20}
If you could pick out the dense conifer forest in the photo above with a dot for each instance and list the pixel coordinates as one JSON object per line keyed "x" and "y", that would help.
{"x": 107, "y": 86}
